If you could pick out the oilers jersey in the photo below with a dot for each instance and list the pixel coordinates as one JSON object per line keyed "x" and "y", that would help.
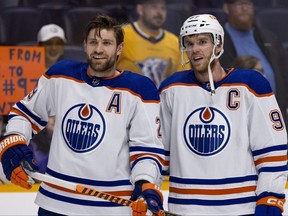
{"x": 155, "y": 57}
{"x": 105, "y": 136}
{"x": 225, "y": 149}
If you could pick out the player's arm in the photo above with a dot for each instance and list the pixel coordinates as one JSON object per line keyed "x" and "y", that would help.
{"x": 27, "y": 117}
{"x": 146, "y": 151}
{"x": 166, "y": 127}
{"x": 146, "y": 148}
{"x": 268, "y": 140}
{"x": 13, "y": 150}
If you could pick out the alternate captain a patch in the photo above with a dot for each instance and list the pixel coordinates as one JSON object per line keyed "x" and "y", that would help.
{"x": 206, "y": 131}
{"x": 83, "y": 127}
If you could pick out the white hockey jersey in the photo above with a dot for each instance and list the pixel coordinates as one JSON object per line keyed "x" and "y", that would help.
{"x": 106, "y": 130}
{"x": 226, "y": 149}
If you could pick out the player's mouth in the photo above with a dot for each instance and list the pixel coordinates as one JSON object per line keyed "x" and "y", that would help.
{"x": 98, "y": 58}
{"x": 197, "y": 59}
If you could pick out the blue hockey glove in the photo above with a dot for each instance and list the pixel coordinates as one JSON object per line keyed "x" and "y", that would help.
{"x": 269, "y": 205}
{"x": 13, "y": 150}
{"x": 264, "y": 210}
{"x": 137, "y": 192}
{"x": 151, "y": 195}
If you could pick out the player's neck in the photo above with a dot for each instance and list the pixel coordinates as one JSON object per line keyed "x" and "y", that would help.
{"x": 104, "y": 74}
{"x": 218, "y": 74}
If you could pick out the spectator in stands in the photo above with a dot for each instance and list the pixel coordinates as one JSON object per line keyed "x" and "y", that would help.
{"x": 248, "y": 62}
{"x": 243, "y": 37}
{"x": 148, "y": 48}
{"x": 52, "y": 37}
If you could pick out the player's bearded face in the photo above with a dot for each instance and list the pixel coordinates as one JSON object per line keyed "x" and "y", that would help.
{"x": 101, "y": 50}
{"x": 102, "y": 65}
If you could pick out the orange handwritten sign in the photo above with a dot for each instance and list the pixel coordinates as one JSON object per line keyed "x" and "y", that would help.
{"x": 20, "y": 69}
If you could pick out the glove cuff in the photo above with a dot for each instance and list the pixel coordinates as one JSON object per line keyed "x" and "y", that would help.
{"x": 153, "y": 187}
{"x": 272, "y": 201}
{"x": 10, "y": 141}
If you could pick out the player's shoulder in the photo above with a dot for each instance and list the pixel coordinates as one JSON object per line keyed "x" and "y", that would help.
{"x": 138, "y": 80}
{"x": 178, "y": 78}
{"x": 139, "y": 84}
{"x": 66, "y": 68}
{"x": 252, "y": 79}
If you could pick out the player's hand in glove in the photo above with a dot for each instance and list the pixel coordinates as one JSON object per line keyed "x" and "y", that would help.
{"x": 151, "y": 195}
{"x": 14, "y": 150}
{"x": 269, "y": 205}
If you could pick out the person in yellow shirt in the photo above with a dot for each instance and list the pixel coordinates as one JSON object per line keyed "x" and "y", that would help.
{"x": 148, "y": 48}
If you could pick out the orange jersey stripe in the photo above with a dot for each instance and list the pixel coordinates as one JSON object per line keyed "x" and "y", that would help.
{"x": 115, "y": 193}
{"x": 213, "y": 191}
{"x": 162, "y": 161}
{"x": 271, "y": 159}
{"x": 34, "y": 127}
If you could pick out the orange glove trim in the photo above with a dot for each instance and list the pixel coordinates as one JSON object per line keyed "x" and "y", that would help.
{"x": 160, "y": 213}
{"x": 10, "y": 141}
{"x": 152, "y": 186}
{"x": 19, "y": 177}
{"x": 272, "y": 201}
{"x": 139, "y": 208}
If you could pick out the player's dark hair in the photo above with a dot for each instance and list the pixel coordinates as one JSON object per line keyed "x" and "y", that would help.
{"x": 101, "y": 22}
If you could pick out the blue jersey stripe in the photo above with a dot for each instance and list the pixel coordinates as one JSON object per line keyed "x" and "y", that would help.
{"x": 145, "y": 158}
{"x": 269, "y": 149}
{"x": 30, "y": 114}
{"x": 213, "y": 181}
{"x": 77, "y": 201}
{"x": 212, "y": 202}
{"x": 273, "y": 169}
{"x": 147, "y": 149}
{"x": 88, "y": 181}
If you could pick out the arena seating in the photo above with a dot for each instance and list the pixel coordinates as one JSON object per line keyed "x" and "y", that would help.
{"x": 19, "y": 24}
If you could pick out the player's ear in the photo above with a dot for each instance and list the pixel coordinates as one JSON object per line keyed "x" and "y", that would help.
{"x": 120, "y": 48}
{"x": 218, "y": 48}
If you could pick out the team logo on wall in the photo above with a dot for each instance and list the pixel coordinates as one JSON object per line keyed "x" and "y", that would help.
{"x": 206, "y": 131}
{"x": 83, "y": 127}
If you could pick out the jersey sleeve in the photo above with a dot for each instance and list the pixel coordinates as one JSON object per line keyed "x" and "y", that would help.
{"x": 146, "y": 148}
{"x": 30, "y": 115}
{"x": 268, "y": 140}
{"x": 166, "y": 119}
